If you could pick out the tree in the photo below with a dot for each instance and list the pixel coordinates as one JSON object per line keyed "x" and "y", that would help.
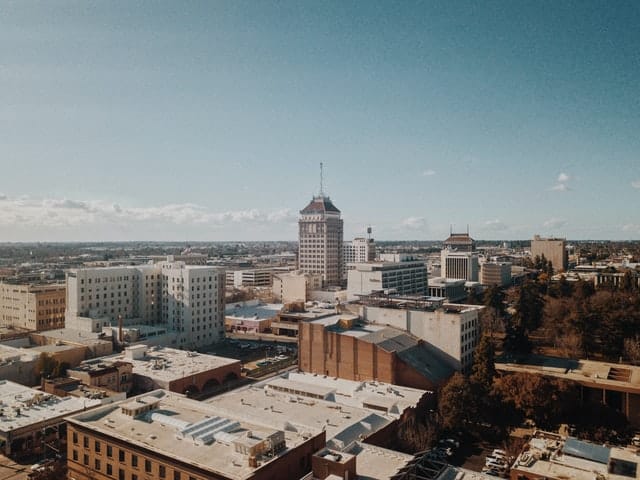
{"x": 529, "y": 307}
{"x": 456, "y": 403}
{"x": 632, "y": 350}
{"x": 516, "y": 341}
{"x": 493, "y": 299}
{"x": 484, "y": 369}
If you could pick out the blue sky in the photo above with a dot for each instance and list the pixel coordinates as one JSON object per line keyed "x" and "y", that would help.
{"x": 207, "y": 120}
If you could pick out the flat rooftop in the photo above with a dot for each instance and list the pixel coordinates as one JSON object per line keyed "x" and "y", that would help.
{"x": 377, "y": 463}
{"x": 74, "y": 336}
{"x": 614, "y": 376}
{"x": 169, "y": 364}
{"x": 552, "y": 456}
{"x": 23, "y": 406}
{"x": 347, "y": 411}
{"x": 269, "y": 310}
{"x": 198, "y": 433}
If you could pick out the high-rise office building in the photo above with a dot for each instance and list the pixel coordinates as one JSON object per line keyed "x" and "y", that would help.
{"x": 320, "y": 240}
{"x": 459, "y": 258}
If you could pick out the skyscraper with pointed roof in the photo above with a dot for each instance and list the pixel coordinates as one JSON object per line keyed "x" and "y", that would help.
{"x": 320, "y": 234}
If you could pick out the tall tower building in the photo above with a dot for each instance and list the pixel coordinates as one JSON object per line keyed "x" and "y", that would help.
{"x": 320, "y": 238}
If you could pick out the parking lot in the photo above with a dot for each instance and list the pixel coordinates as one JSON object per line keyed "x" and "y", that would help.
{"x": 254, "y": 353}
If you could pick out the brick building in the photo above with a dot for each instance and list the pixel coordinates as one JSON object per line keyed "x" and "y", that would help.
{"x": 163, "y": 435}
{"x": 340, "y": 346}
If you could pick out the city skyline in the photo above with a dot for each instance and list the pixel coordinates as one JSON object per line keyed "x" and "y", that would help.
{"x": 155, "y": 121}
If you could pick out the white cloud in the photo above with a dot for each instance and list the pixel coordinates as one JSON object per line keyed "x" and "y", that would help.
{"x": 413, "y": 223}
{"x": 554, "y": 223}
{"x": 631, "y": 227}
{"x": 428, "y": 173}
{"x": 634, "y": 184}
{"x": 495, "y": 225}
{"x": 562, "y": 184}
{"x": 59, "y": 213}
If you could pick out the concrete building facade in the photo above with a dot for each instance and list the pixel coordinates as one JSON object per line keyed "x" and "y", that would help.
{"x": 295, "y": 286}
{"x": 358, "y": 250}
{"x": 32, "y": 307}
{"x": 404, "y": 278}
{"x": 495, "y": 273}
{"x": 553, "y": 249}
{"x": 455, "y": 264}
{"x": 189, "y": 299}
{"x": 320, "y": 237}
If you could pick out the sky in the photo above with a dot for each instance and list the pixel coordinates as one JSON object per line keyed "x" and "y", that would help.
{"x": 196, "y": 121}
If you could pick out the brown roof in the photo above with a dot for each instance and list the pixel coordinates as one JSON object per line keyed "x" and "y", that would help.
{"x": 320, "y": 205}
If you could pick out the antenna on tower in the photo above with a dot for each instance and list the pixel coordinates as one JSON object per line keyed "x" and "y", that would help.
{"x": 451, "y": 229}
{"x": 321, "y": 182}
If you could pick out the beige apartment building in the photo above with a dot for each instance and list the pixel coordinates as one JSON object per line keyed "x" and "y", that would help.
{"x": 553, "y": 249}
{"x": 32, "y": 307}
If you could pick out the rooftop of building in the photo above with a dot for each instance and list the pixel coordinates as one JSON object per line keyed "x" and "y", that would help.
{"x": 615, "y": 376}
{"x": 386, "y": 265}
{"x": 300, "y": 402}
{"x": 23, "y": 406}
{"x": 549, "y": 455}
{"x": 320, "y": 204}
{"x": 75, "y": 336}
{"x": 260, "y": 311}
{"x": 198, "y": 433}
{"x": 446, "y": 282}
{"x": 461, "y": 238}
{"x": 168, "y": 364}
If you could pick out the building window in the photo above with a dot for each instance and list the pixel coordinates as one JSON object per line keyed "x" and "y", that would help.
{"x": 134, "y": 461}
{"x": 162, "y": 471}
{"x": 176, "y": 475}
{"x": 109, "y": 451}
{"x": 121, "y": 456}
{"x": 120, "y": 474}
{"x": 109, "y": 469}
{"x": 147, "y": 466}
{"x": 85, "y": 442}
{"x": 97, "y": 464}
{"x": 97, "y": 446}
{"x": 85, "y": 459}
{"x": 75, "y": 437}
{"x": 75, "y": 455}
{"x": 134, "y": 476}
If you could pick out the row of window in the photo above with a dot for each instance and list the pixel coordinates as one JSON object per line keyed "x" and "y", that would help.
{"x": 135, "y": 461}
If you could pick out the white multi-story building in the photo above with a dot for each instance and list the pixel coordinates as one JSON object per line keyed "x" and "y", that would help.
{"x": 406, "y": 278}
{"x": 358, "y": 250}
{"x": 320, "y": 237}
{"x": 189, "y": 299}
{"x": 455, "y": 264}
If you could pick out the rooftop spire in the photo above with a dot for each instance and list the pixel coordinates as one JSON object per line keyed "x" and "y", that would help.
{"x": 321, "y": 182}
